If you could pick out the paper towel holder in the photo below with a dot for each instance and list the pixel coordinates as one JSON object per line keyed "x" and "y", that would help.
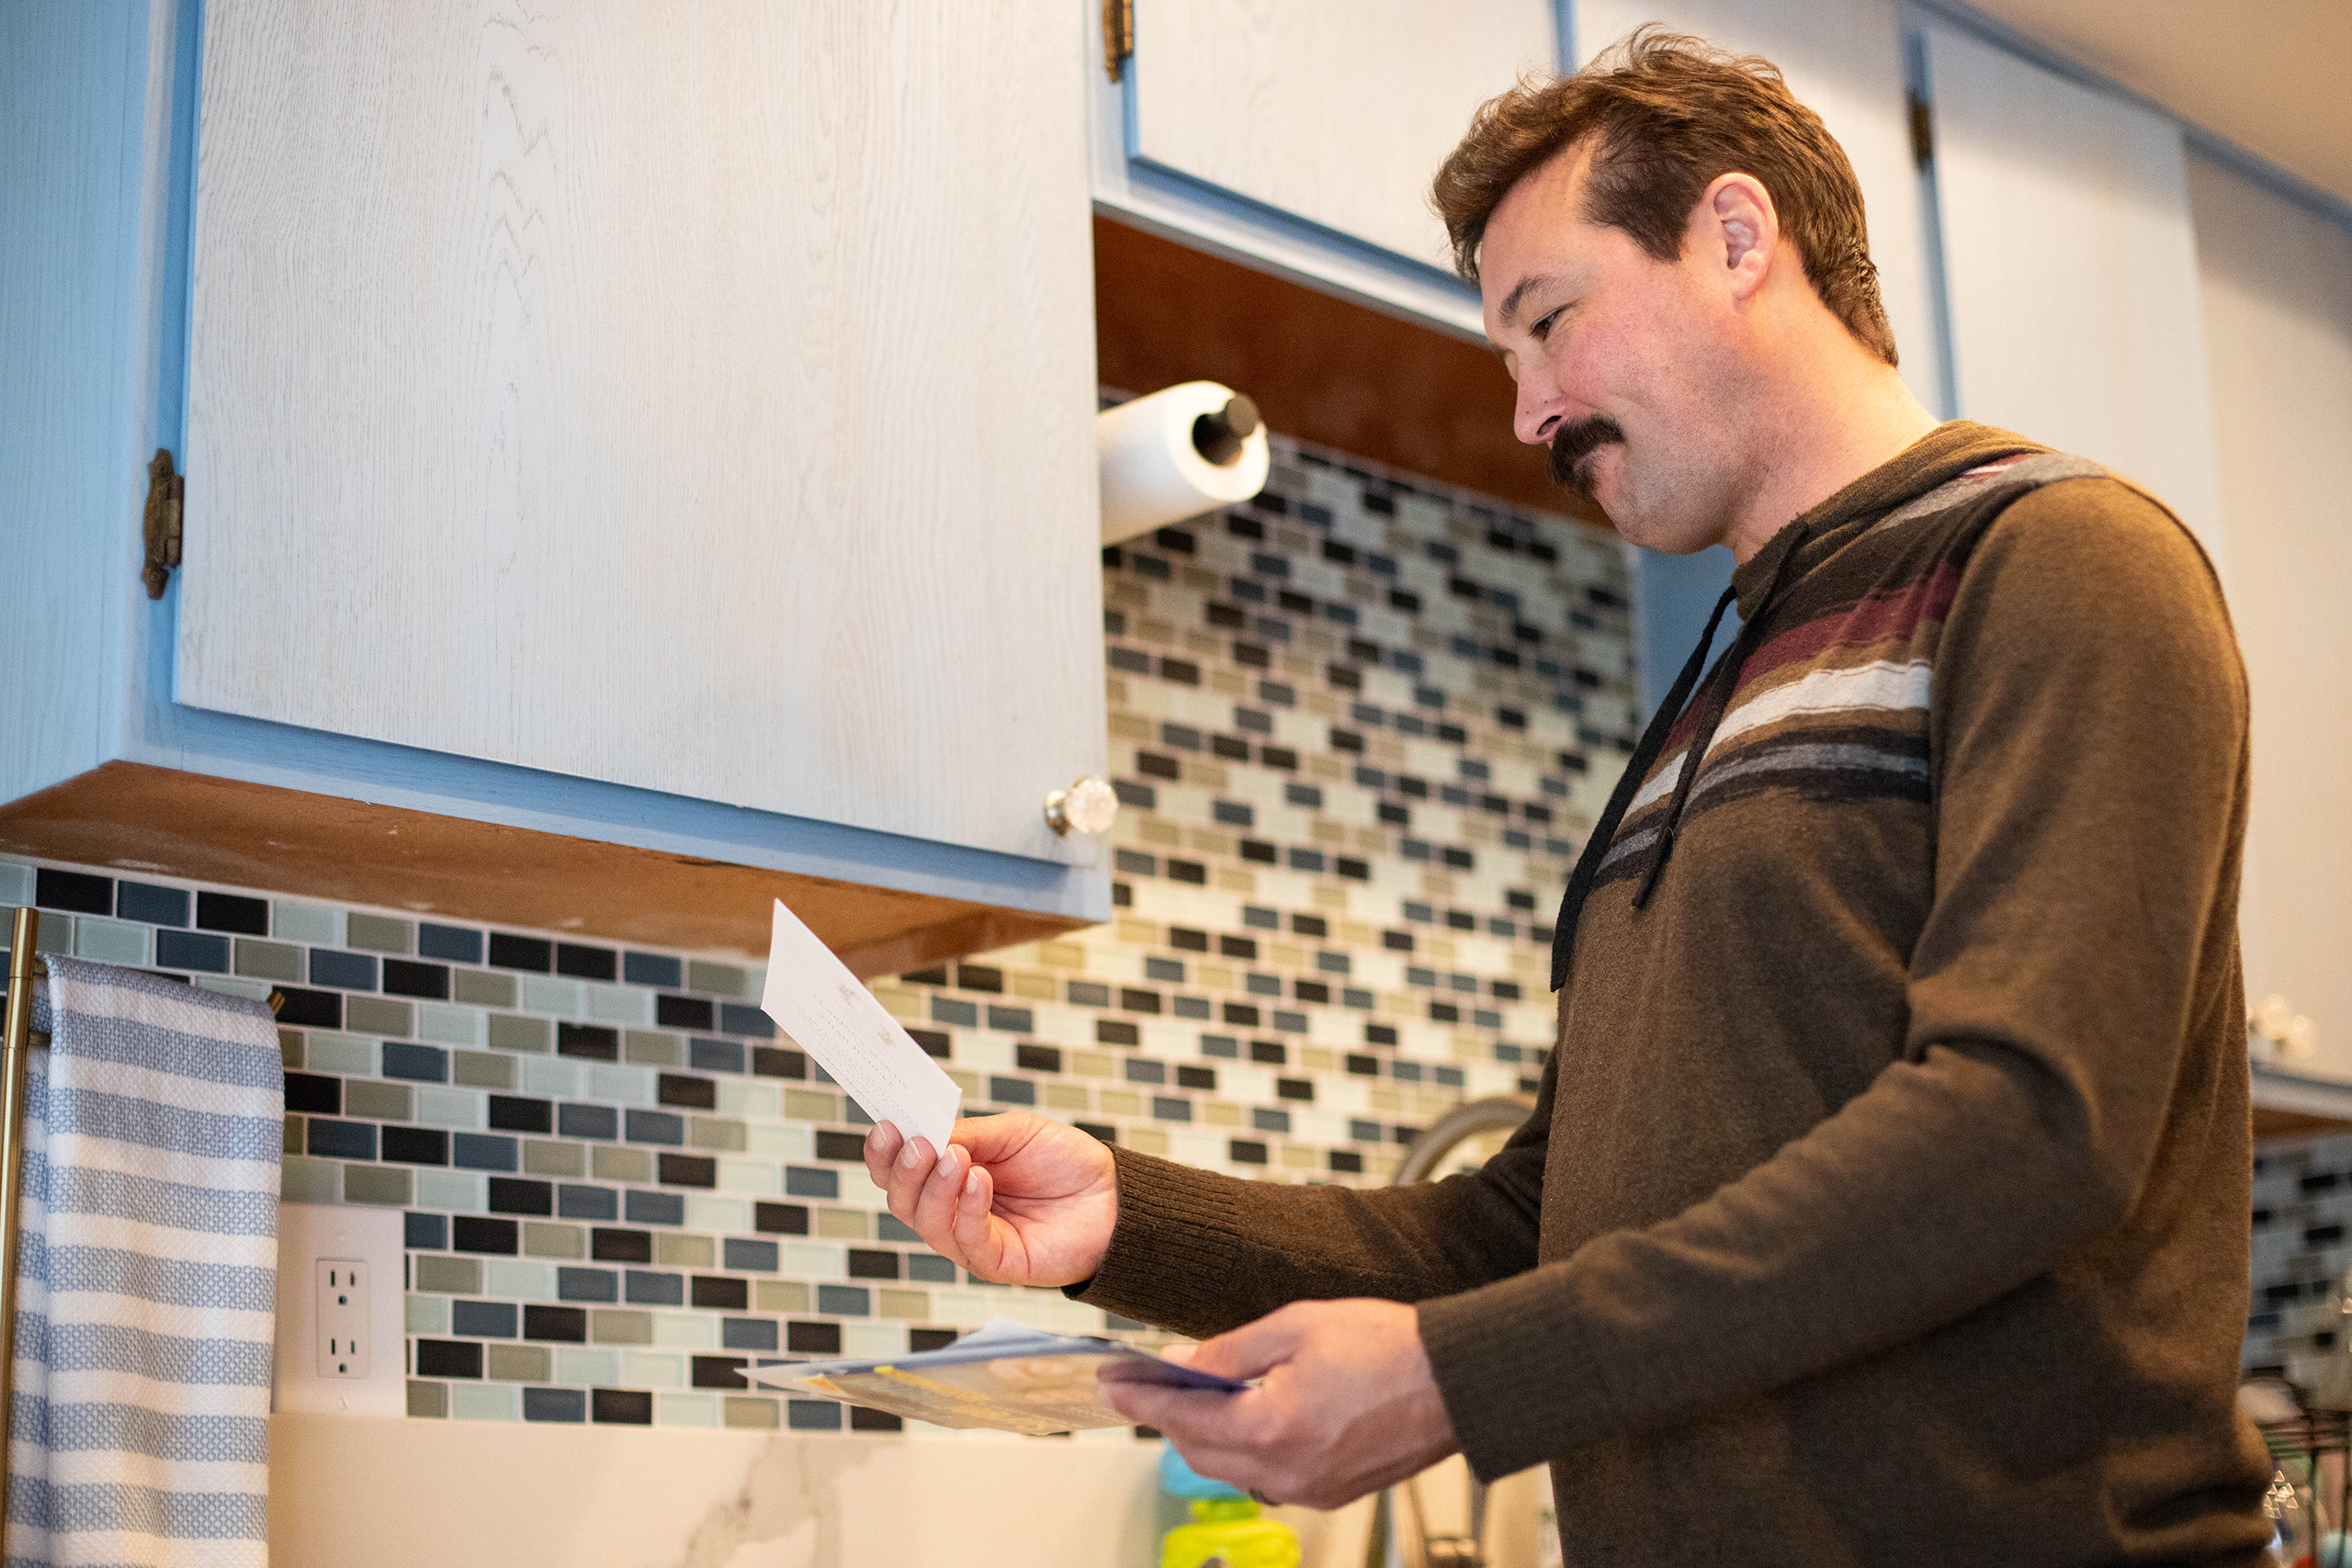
{"x": 1220, "y": 435}
{"x": 1176, "y": 454}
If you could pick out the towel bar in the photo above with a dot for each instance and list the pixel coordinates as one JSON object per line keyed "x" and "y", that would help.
{"x": 16, "y": 1046}
{"x": 17, "y": 1043}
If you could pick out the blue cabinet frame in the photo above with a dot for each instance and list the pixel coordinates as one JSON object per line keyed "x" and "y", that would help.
{"x": 95, "y": 206}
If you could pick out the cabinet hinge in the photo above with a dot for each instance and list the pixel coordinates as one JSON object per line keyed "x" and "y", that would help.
{"x": 1118, "y": 35}
{"x": 162, "y": 524}
{"x": 1923, "y": 131}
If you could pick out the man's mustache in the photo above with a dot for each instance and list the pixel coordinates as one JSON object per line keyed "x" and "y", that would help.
{"x": 1577, "y": 442}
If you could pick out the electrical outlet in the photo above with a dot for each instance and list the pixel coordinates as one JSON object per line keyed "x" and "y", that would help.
{"x": 342, "y": 1273}
{"x": 342, "y": 1332}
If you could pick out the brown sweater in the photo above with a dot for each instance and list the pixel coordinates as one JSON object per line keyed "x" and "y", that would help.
{"x": 1886, "y": 1201}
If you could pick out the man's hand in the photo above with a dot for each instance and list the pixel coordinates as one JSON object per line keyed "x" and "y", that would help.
{"x": 1346, "y": 1404}
{"x": 1015, "y": 1199}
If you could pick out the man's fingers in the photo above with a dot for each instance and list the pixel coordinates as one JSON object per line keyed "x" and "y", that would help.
{"x": 1254, "y": 1349}
{"x": 932, "y": 1211}
{"x": 1345, "y": 1404}
{"x": 1188, "y": 1415}
{"x": 898, "y": 1166}
{"x": 1207, "y": 1428}
{"x": 882, "y": 1147}
{"x": 993, "y": 1138}
{"x": 921, "y": 1185}
{"x": 972, "y": 1194}
{"x": 901, "y": 1178}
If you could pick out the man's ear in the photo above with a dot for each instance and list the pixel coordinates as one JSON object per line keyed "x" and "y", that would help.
{"x": 1734, "y": 219}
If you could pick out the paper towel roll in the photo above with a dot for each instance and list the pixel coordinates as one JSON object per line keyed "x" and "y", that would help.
{"x": 1154, "y": 474}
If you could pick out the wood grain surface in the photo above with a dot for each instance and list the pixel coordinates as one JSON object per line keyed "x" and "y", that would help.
{"x": 695, "y": 396}
{"x": 73, "y": 79}
{"x": 2072, "y": 266}
{"x": 136, "y": 818}
{"x": 1338, "y": 111}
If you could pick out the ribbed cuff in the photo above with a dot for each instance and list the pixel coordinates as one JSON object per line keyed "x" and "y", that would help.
{"x": 1513, "y": 1370}
{"x": 1172, "y": 1251}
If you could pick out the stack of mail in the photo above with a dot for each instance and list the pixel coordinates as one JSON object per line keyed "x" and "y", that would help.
{"x": 1006, "y": 1375}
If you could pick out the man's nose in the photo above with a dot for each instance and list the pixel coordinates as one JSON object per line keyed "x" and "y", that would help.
{"x": 1540, "y": 411}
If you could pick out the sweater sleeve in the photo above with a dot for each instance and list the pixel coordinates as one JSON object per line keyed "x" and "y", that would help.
{"x": 2088, "y": 732}
{"x": 1201, "y": 1253}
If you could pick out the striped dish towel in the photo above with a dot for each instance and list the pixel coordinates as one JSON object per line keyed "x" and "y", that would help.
{"x": 146, "y": 1293}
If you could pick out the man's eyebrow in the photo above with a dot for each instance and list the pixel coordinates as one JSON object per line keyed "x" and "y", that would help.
{"x": 1519, "y": 292}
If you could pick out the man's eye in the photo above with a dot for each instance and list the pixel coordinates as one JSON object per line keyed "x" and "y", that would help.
{"x": 1544, "y": 324}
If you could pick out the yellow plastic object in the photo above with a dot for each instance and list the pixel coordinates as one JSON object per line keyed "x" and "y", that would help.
{"x": 1228, "y": 1529}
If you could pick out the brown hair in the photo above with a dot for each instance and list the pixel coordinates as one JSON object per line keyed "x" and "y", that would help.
{"x": 1667, "y": 114}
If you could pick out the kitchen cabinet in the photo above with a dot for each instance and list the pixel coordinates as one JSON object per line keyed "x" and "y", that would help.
{"x": 1301, "y": 137}
{"x": 2071, "y": 271}
{"x": 2194, "y": 346}
{"x": 625, "y": 445}
{"x": 2275, "y": 286}
{"x": 1336, "y": 113}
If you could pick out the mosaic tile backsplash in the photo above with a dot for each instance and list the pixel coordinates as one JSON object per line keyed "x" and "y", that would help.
{"x": 1360, "y": 727}
{"x": 2303, "y": 1244}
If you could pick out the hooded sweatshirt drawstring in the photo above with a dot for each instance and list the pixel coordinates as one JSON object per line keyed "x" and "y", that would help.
{"x": 1714, "y": 697}
{"x": 1596, "y": 844}
{"x": 1715, "y": 700}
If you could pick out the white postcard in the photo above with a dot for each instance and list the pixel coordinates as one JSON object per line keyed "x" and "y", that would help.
{"x": 814, "y": 999}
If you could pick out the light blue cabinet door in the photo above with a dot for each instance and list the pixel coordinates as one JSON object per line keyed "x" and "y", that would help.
{"x": 1302, "y": 137}
{"x": 1335, "y": 112}
{"x": 2072, "y": 269}
{"x": 2274, "y": 291}
{"x": 693, "y": 396}
{"x": 935, "y": 774}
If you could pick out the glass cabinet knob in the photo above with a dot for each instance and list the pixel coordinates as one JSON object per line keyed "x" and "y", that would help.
{"x": 1090, "y": 806}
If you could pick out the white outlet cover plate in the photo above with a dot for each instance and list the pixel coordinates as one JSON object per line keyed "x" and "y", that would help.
{"x": 306, "y": 1233}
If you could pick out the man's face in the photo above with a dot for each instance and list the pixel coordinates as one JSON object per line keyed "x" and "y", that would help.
{"x": 1622, "y": 362}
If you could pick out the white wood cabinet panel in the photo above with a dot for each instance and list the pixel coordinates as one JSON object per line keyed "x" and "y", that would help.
{"x": 2277, "y": 297}
{"x": 2072, "y": 272}
{"x": 695, "y": 396}
{"x": 1843, "y": 59}
{"x": 1337, "y": 111}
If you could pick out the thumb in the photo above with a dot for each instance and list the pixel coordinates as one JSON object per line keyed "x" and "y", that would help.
{"x": 994, "y": 1140}
{"x": 988, "y": 1139}
{"x": 1252, "y": 1350}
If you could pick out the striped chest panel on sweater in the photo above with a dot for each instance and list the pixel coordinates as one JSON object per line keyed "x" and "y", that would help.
{"x": 1833, "y": 706}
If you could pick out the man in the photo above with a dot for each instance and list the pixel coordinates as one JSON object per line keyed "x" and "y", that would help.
{"x": 1886, "y": 1199}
